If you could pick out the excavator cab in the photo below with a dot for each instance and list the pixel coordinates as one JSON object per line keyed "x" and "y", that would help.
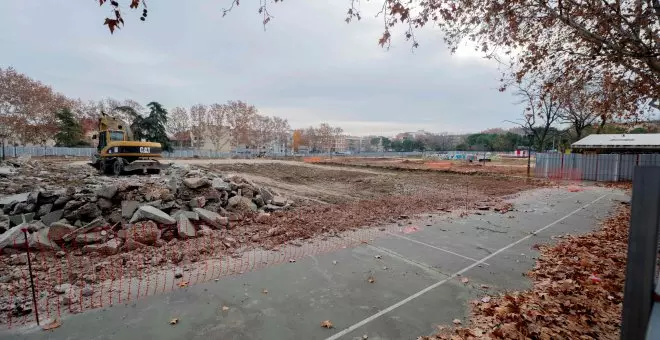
{"x": 106, "y": 137}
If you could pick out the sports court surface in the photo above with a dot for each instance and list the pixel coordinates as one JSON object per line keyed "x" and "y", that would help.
{"x": 403, "y": 283}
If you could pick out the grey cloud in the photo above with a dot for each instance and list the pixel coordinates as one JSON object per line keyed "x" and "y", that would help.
{"x": 309, "y": 66}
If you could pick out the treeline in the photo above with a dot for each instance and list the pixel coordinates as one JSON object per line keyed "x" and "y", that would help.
{"x": 33, "y": 113}
{"x": 324, "y": 138}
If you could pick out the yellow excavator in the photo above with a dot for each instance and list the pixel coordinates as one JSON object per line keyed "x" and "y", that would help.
{"x": 118, "y": 153}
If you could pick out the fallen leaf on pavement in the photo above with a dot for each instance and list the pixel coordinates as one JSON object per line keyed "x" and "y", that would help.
{"x": 327, "y": 324}
{"x": 465, "y": 280}
{"x": 54, "y": 324}
{"x": 174, "y": 321}
{"x": 183, "y": 284}
{"x": 225, "y": 308}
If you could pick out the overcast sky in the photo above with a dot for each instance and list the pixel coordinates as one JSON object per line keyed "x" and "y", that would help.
{"x": 309, "y": 66}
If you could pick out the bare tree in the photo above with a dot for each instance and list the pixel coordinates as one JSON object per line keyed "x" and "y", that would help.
{"x": 178, "y": 123}
{"x": 240, "y": 119}
{"x": 262, "y": 132}
{"x": 542, "y": 111}
{"x": 199, "y": 119}
{"x": 281, "y": 131}
{"x": 217, "y": 128}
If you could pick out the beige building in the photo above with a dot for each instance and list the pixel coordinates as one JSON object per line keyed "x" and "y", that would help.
{"x": 211, "y": 139}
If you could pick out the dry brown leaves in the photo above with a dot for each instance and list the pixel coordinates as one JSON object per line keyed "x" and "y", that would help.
{"x": 327, "y": 324}
{"x": 577, "y": 293}
{"x": 52, "y": 325}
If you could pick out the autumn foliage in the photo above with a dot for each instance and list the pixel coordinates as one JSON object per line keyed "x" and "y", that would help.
{"x": 577, "y": 292}
{"x": 27, "y": 108}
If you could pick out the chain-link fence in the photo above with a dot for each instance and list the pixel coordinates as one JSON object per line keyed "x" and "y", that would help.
{"x": 41, "y": 151}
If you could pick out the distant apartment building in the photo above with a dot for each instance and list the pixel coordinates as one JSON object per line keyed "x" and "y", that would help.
{"x": 210, "y": 139}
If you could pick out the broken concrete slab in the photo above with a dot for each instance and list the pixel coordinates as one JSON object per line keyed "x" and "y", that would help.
{"x": 220, "y": 184}
{"x": 128, "y": 208}
{"x": 61, "y": 201}
{"x": 211, "y": 218}
{"x": 191, "y": 215}
{"x": 58, "y": 230}
{"x": 107, "y": 192}
{"x": 22, "y": 218}
{"x": 265, "y": 194}
{"x": 44, "y": 209}
{"x": 52, "y": 217}
{"x": 40, "y": 241}
{"x": 104, "y": 203}
{"x": 147, "y": 212}
{"x": 146, "y": 232}
{"x": 197, "y": 202}
{"x": 12, "y": 237}
{"x": 89, "y": 211}
{"x": 92, "y": 237}
{"x": 110, "y": 247}
{"x": 195, "y": 182}
{"x": 22, "y": 197}
{"x": 97, "y": 223}
{"x": 240, "y": 202}
{"x": 278, "y": 201}
{"x": 131, "y": 244}
{"x": 185, "y": 228}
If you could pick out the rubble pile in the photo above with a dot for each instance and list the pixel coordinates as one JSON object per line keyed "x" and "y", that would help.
{"x": 107, "y": 214}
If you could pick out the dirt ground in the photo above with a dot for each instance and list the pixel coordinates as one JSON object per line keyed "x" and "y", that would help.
{"x": 340, "y": 185}
{"x": 503, "y": 166}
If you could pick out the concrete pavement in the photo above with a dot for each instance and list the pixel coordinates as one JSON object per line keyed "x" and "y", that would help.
{"x": 417, "y": 281}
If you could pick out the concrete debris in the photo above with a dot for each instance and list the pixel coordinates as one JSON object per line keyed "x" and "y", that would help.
{"x": 147, "y": 212}
{"x": 107, "y": 192}
{"x": 212, "y": 218}
{"x": 110, "y": 247}
{"x": 128, "y": 208}
{"x": 220, "y": 184}
{"x": 52, "y": 217}
{"x": 62, "y": 288}
{"x": 146, "y": 232}
{"x": 279, "y": 201}
{"x": 58, "y": 230}
{"x": 241, "y": 203}
{"x": 87, "y": 291}
{"x": 185, "y": 229}
{"x": 40, "y": 241}
{"x": 196, "y": 182}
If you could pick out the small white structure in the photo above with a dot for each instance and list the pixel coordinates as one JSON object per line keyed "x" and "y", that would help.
{"x": 607, "y": 143}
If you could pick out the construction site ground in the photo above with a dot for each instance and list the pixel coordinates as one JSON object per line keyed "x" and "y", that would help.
{"x": 429, "y": 243}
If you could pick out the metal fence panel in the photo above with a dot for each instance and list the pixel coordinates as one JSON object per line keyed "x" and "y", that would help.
{"x": 627, "y": 167}
{"x": 592, "y": 167}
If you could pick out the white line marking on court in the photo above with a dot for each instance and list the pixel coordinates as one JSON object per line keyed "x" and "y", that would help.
{"x": 434, "y": 247}
{"x": 425, "y": 267}
{"x": 437, "y": 284}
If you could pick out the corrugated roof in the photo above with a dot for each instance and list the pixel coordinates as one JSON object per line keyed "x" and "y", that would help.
{"x": 642, "y": 140}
